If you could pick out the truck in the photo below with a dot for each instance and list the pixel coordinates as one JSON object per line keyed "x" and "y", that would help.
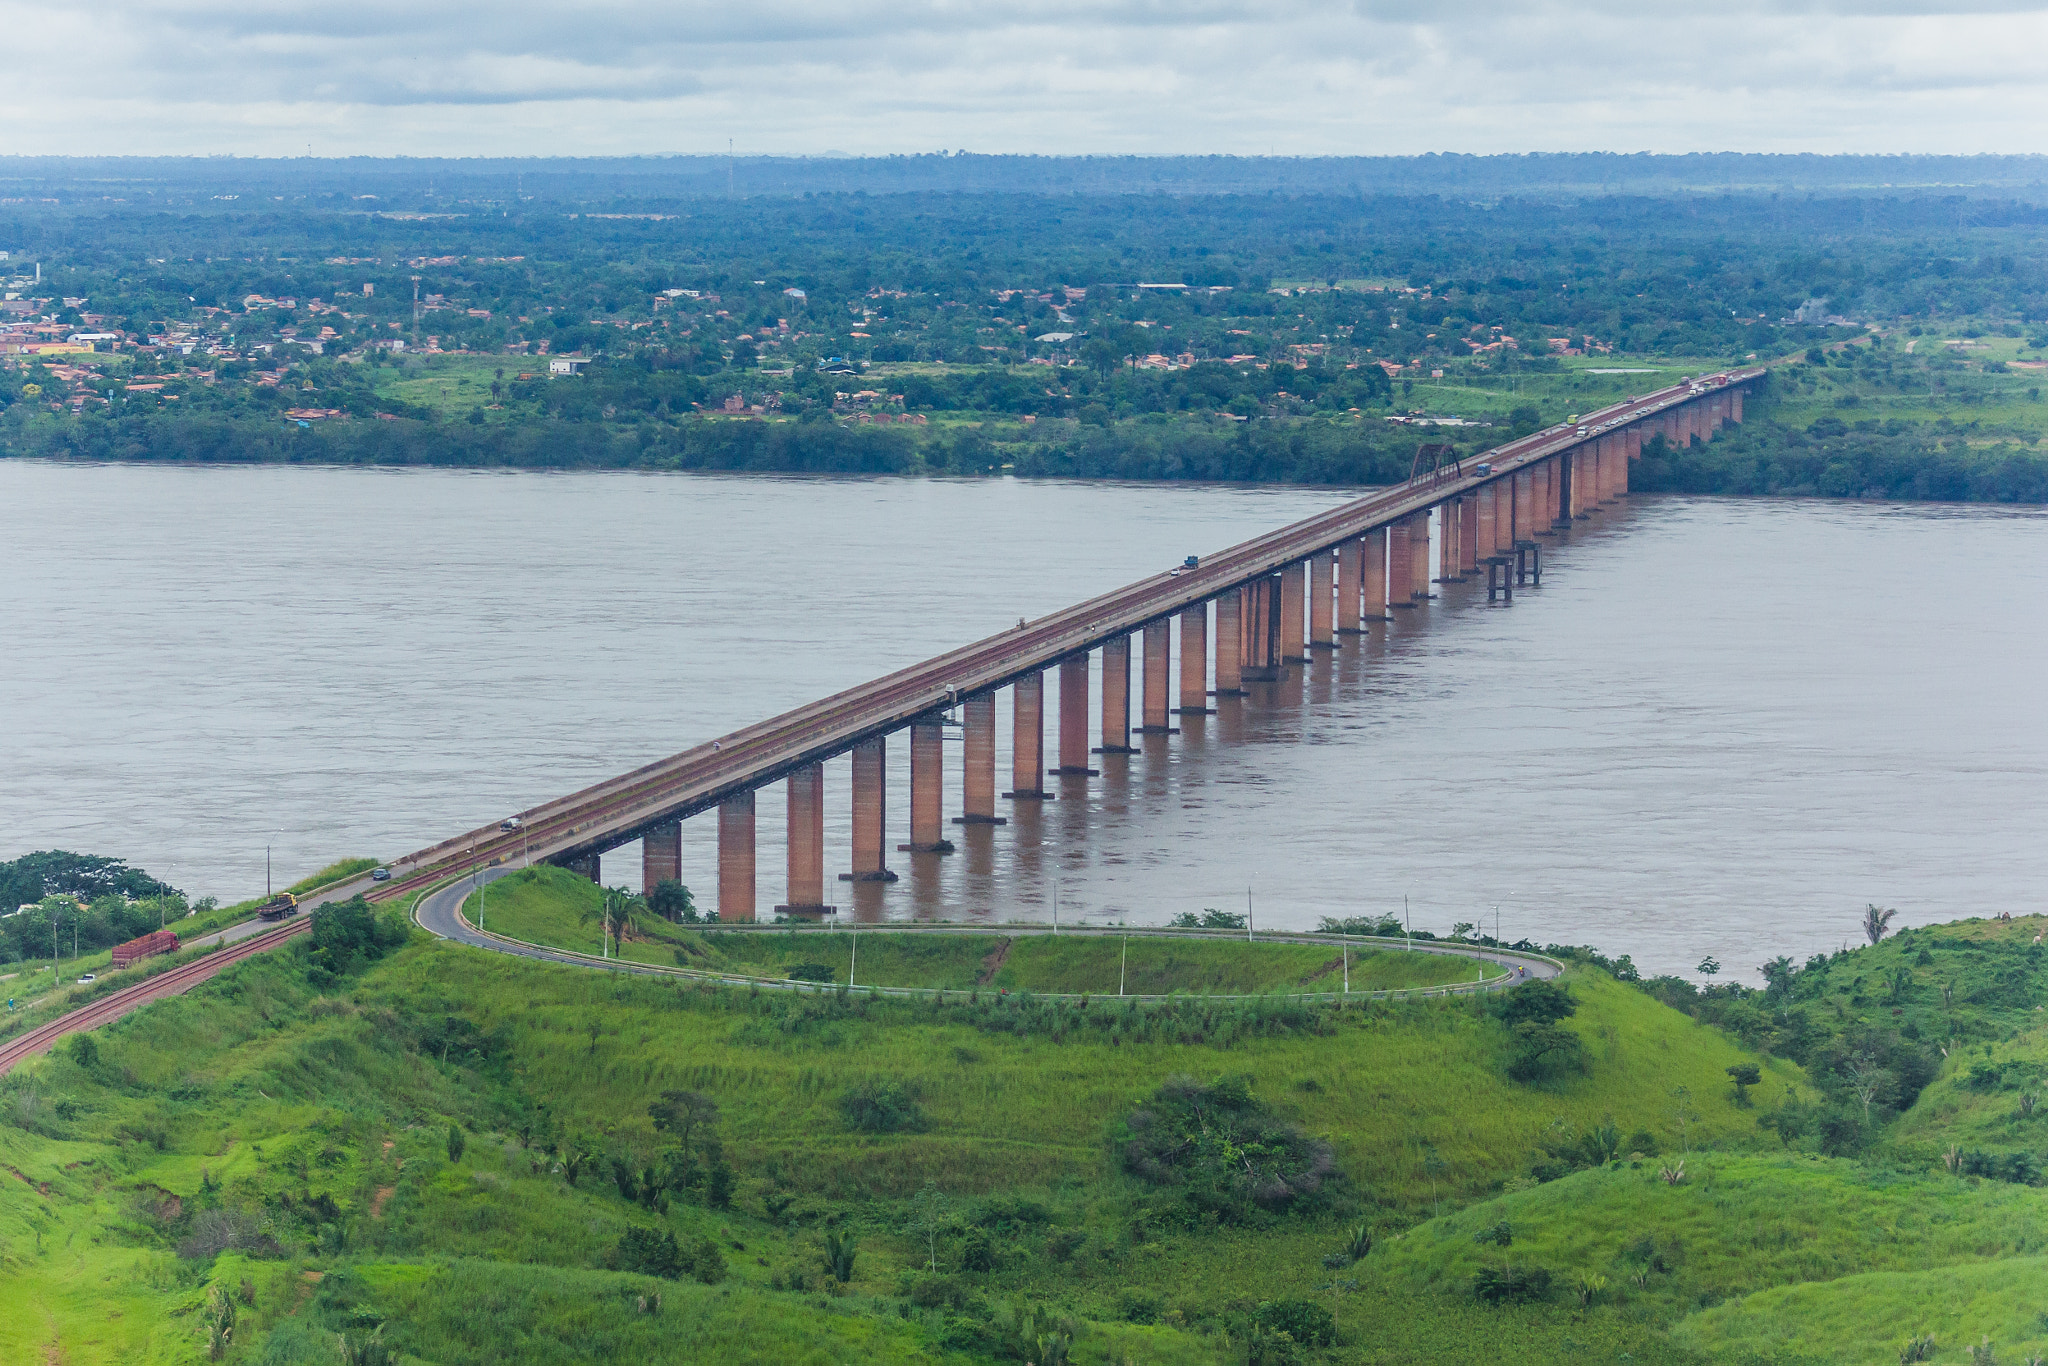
{"x": 148, "y": 946}
{"x": 278, "y": 907}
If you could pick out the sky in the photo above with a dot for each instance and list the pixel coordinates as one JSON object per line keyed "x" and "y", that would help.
{"x": 1370, "y": 77}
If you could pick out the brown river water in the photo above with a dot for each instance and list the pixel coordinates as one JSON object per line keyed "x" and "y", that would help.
{"x": 1719, "y": 727}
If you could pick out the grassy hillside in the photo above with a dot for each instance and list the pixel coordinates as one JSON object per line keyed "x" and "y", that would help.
{"x": 288, "y": 1124}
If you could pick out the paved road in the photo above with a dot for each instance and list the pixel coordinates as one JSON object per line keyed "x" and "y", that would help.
{"x": 440, "y": 912}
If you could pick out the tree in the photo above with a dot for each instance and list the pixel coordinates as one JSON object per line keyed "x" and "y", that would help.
{"x": 683, "y": 1113}
{"x": 1709, "y": 966}
{"x": 930, "y": 1204}
{"x": 457, "y": 1142}
{"x": 1744, "y": 1075}
{"x": 1876, "y": 921}
{"x": 672, "y": 901}
{"x": 839, "y": 1254}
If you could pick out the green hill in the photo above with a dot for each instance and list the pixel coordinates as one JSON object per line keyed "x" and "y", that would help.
{"x": 288, "y": 1125}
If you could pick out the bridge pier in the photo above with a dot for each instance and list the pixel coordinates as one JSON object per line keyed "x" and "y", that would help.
{"x": 870, "y": 812}
{"x": 1525, "y": 506}
{"x": 1400, "y": 566}
{"x": 1468, "y": 535}
{"x": 1350, "y": 600}
{"x": 1547, "y": 485}
{"x": 1027, "y": 739}
{"x": 1194, "y": 660}
{"x": 928, "y": 787}
{"x": 587, "y": 865}
{"x": 736, "y": 859}
{"x": 1485, "y": 536}
{"x": 1230, "y": 637}
{"x": 978, "y": 762}
{"x": 1155, "y": 711}
{"x": 1322, "y": 632}
{"x": 1116, "y": 696}
{"x": 1292, "y": 594}
{"x": 1074, "y": 718}
{"x": 1262, "y": 630}
{"x": 1735, "y": 397}
{"x": 661, "y": 856}
{"x": 806, "y": 852}
{"x": 1373, "y": 576}
{"x": 1418, "y": 546}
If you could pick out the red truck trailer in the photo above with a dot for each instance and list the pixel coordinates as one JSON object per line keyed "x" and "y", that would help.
{"x": 150, "y": 945}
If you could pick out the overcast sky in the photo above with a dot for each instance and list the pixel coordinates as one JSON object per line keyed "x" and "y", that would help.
{"x": 875, "y": 76}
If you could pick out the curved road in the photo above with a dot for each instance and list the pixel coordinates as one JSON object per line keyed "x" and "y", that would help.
{"x": 440, "y": 913}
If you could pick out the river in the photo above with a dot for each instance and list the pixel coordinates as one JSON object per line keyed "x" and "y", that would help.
{"x": 1720, "y": 727}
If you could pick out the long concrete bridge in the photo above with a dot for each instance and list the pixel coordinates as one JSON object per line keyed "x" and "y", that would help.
{"x": 1242, "y": 616}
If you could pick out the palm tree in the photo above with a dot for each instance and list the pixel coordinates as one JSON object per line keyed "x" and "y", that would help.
{"x": 1877, "y": 922}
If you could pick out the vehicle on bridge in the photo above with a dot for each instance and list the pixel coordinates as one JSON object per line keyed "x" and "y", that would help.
{"x": 278, "y": 907}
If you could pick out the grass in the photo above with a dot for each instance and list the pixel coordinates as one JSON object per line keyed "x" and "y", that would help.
{"x": 258, "y": 1087}
{"x": 1862, "y": 1320}
{"x": 548, "y": 906}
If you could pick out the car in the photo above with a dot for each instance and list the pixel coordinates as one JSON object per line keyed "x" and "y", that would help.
{"x": 380, "y": 875}
{"x": 89, "y": 977}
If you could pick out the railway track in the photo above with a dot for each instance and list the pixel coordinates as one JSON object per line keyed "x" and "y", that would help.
{"x": 115, "y": 1004}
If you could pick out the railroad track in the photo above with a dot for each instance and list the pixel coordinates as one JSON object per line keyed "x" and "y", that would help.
{"x": 115, "y": 1004}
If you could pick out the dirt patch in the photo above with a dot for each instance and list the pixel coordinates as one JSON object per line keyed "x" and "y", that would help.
{"x": 42, "y": 1187}
{"x": 992, "y": 962}
{"x": 1326, "y": 969}
{"x": 377, "y": 1201}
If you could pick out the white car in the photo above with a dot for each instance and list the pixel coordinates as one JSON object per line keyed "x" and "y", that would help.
{"x": 89, "y": 977}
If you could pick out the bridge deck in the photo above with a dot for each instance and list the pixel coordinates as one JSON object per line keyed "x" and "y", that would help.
{"x": 618, "y": 810}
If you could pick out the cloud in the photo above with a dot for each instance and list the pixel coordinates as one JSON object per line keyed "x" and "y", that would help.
{"x": 1371, "y": 76}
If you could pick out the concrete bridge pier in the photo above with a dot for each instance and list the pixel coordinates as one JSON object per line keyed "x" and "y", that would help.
{"x": 586, "y": 865}
{"x": 1468, "y": 535}
{"x": 1735, "y": 397}
{"x": 927, "y": 787}
{"x": 1485, "y": 504}
{"x": 1116, "y": 696}
{"x": 1322, "y": 630}
{"x": 1418, "y": 546}
{"x": 736, "y": 859}
{"x": 1262, "y": 630}
{"x": 1544, "y": 481}
{"x": 1156, "y": 711}
{"x": 1293, "y": 591}
{"x": 1074, "y": 718}
{"x": 1372, "y": 577}
{"x": 1350, "y": 598}
{"x": 1400, "y": 566}
{"x": 1230, "y": 643}
{"x": 870, "y": 813}
{"x": 661, "y": 855}
{"x": 806, "y": 851}
{"x": 1194, "y": 661}
{"x": 1027, "y": 739}
{"x": 978, "y": 762}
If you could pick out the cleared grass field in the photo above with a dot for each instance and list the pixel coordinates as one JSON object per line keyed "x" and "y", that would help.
{"x": 556, "y": 908}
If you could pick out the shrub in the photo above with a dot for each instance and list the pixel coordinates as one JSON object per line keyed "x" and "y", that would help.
{"x": 457, "y": 1142}
{"x": 811, "y": 972}
{"x": 1224, "y": 1150}
{"x": 839, "y": 1255}
{"x": 1540, "y": 1052}
{"x": 1307, "y": 1322}
{"x": 84, "y": 1050}
{"x": 881, "y": 1107}
{"x": 1510, "y": 1284}
{"x": 651, "y": 1252}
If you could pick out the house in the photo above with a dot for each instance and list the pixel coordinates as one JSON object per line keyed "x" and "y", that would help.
{"x": 567, "y": 365}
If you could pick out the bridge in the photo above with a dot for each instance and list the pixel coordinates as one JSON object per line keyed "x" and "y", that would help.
{"x": 1241, "y": 616}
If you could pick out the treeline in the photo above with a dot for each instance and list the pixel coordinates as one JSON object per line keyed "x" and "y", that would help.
{"x": 1830, "y": 460}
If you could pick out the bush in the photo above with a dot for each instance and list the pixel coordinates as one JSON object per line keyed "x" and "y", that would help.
{"x": 84, "y": 1050}
{"x": 1510, "y": 1284}
{"x": 1307, "y": 1322}
{"x": 650, "y": 1252}
{"x": 811, "y": 972}
{"x": 881, "y": 1107}
{"x": 1225, "y": 1151}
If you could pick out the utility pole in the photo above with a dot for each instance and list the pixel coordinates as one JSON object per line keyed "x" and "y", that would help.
{"x": 1123, "y": 967}
{"x": 1055, "y": 910}
{"x": 854, "y": 963}
{"x": 1347, "y": 969}
{"x": 415, "y": 314}
{"x": 1247, "y": 915}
